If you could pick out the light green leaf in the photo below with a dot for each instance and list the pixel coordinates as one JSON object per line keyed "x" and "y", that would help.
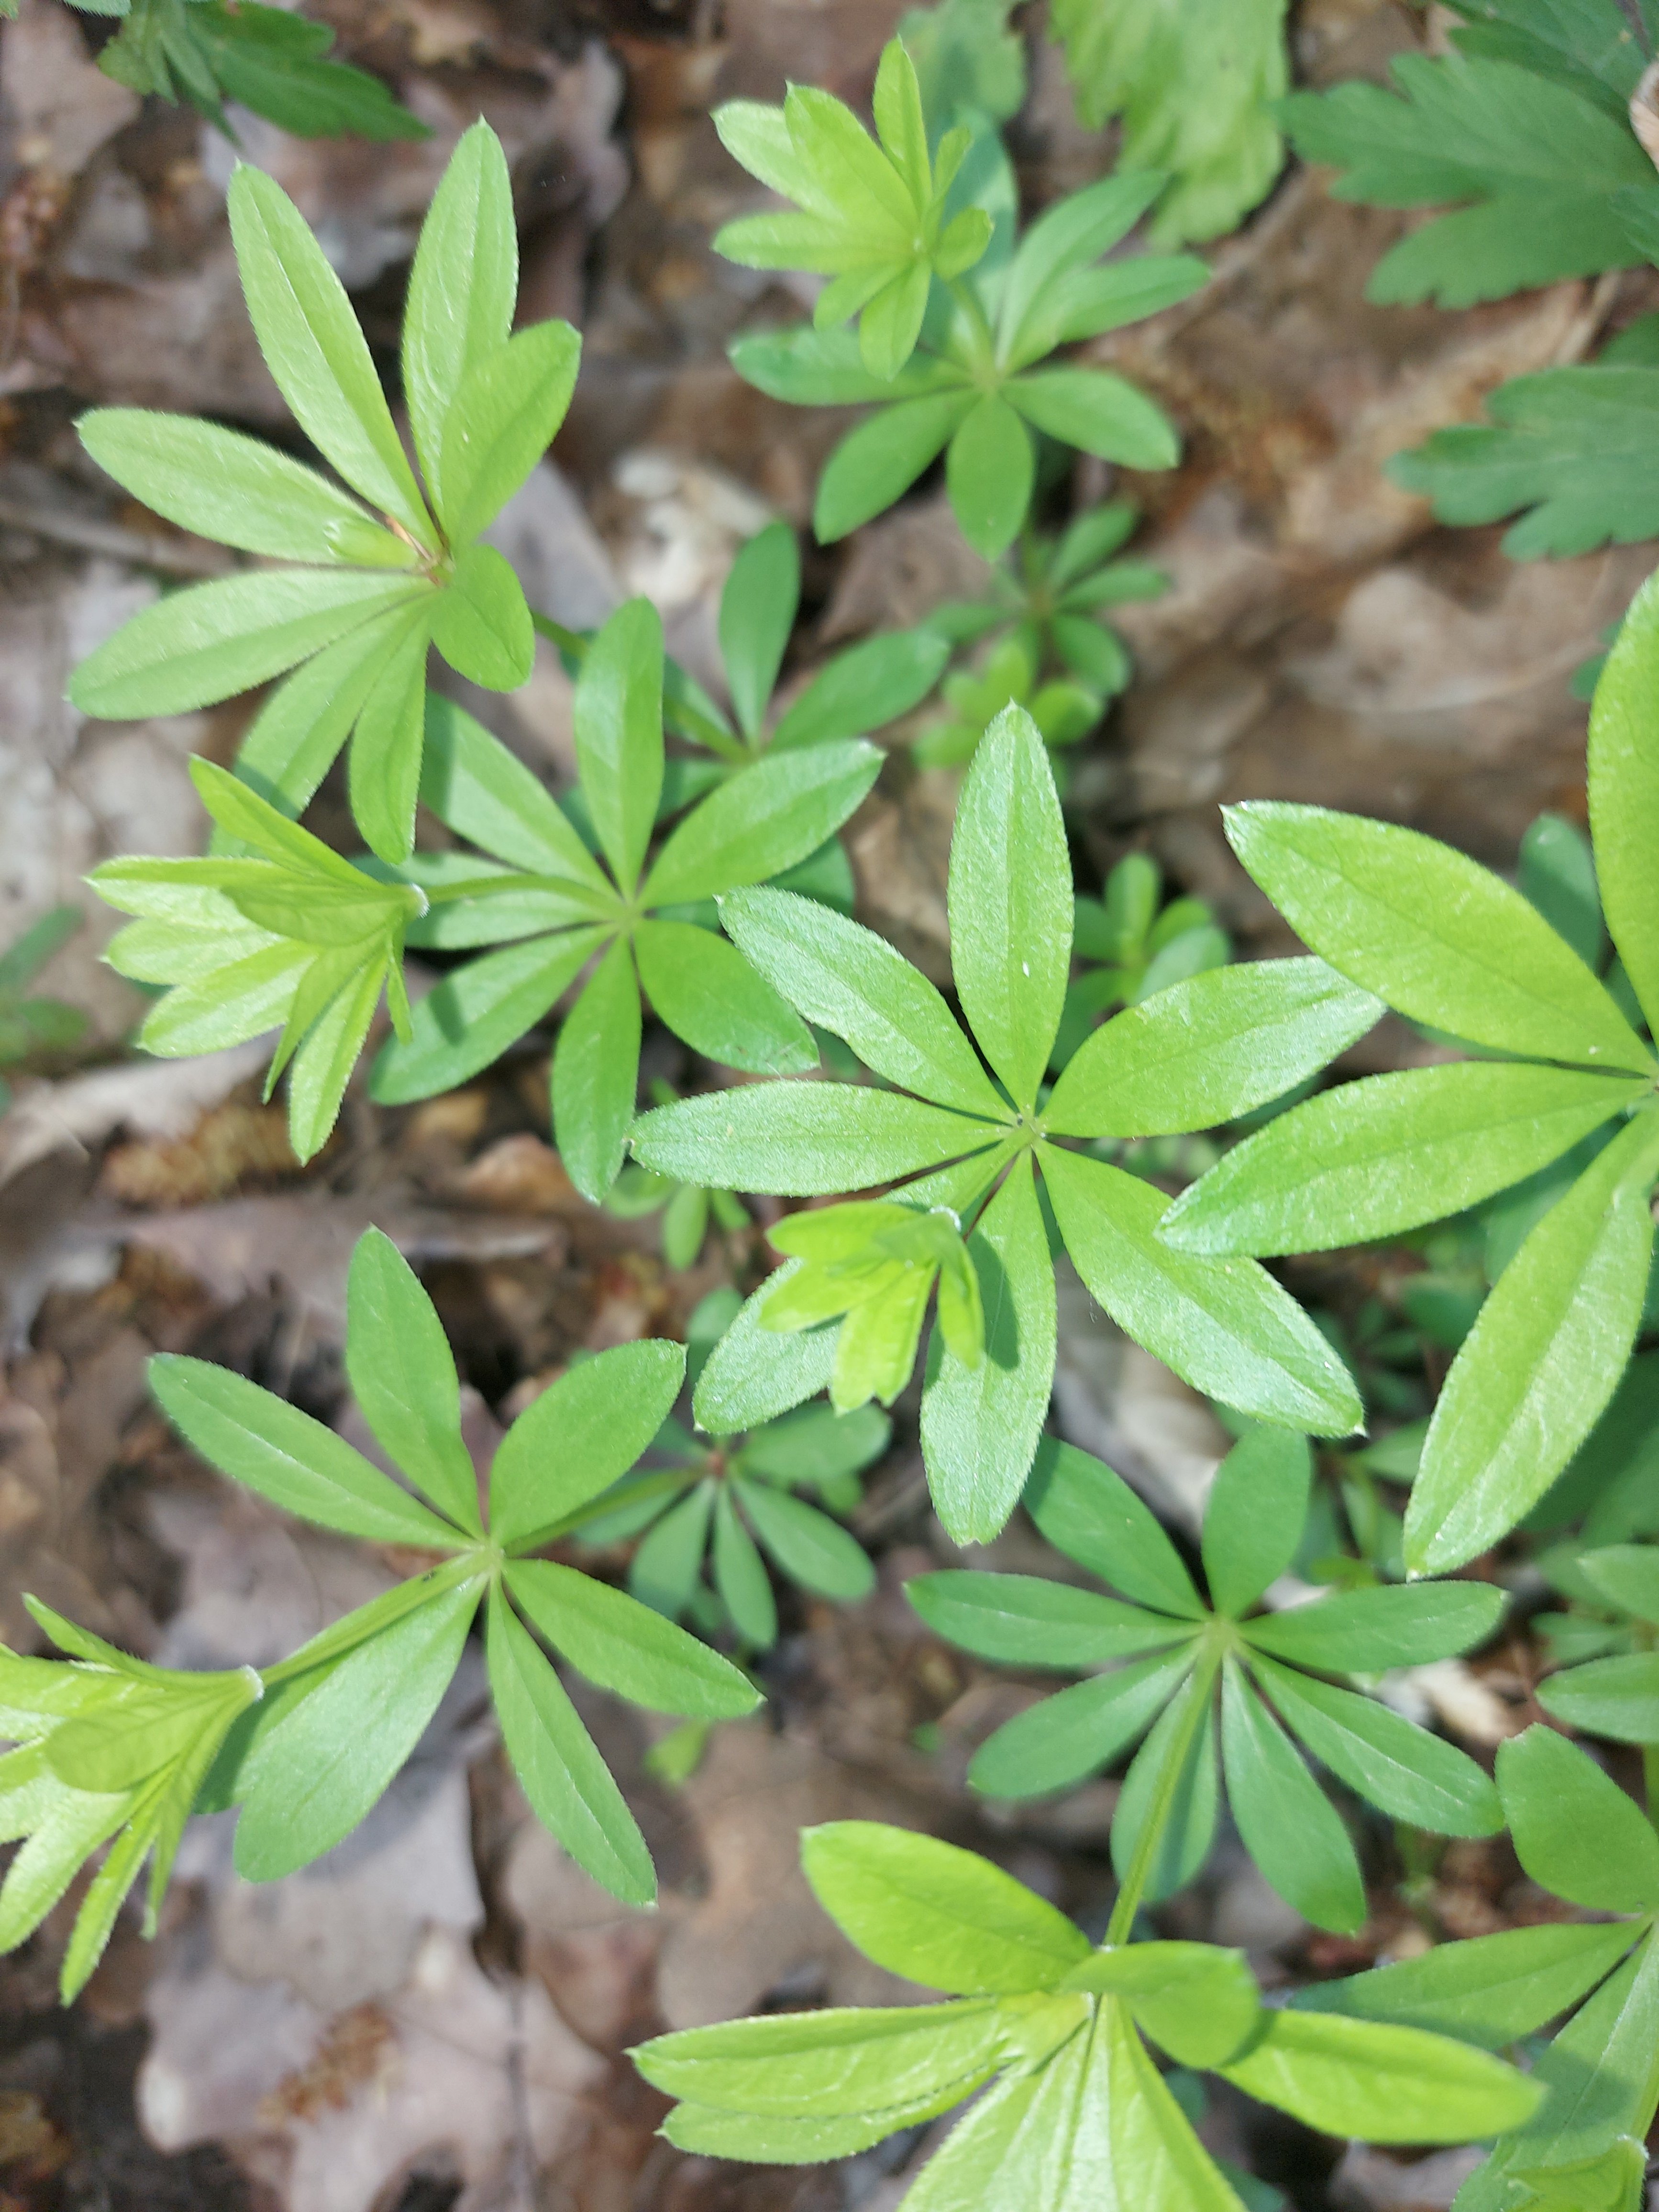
{"x": 596, "y": 1072}
{"x": 236, "y": 490}
{"x": 569, "y": 1787}
{"x": 980, "y": 1423}
{"x": 1575, "y": 1830}
{"x": 1175, "y": 1770}
{"x": 878, "y": 462}
{"x": 1197, "y": 2001}
{"x": 471, "y": 1017}
{"x": 1009, "y": 896}
{"x": 619, "y": 753}
{"x": 1489, "y": 1989}
{"x": 846, "y": 979}
{"x": 461, "y": 289}
{"x": 1098, "y": 413}
{"x": 1224, "y": 1326}
{"x": 757, "y": 612}
{"x": 1623, "y": 794}
{"x": 476, "y": 786}
{"x": 320, "y": 1770}
{"x": 214, "y": 639}
{"x": 577, "y": 1437}
{"x": 828, "y": 2063}
{"x": 707, "y": 993}
{"x": 1441, "y": 939}
{"x": 383, "y": 769}
{"x": 507, "y": 407}
{"x": 1091, "y": 1515}
{"x": 481, "y": 624}
{"x": 286, "y": 1456}
{"x": 811, "y": 1549}
{"x": 937, "y": 1915}
{"x": 1364, "y": 1161}
{"x": 1077, "y": 1732}
{"x": 989, "y": 472}
{"x": 1253, "y": 1519}
{"x": 869, "y": 685}
{"x": 761, "y": 821}
{"x": 1209, "y": 1049}
{"x": 1616, "y": 1697}
{"x": 1410, "y": 1774}
{"x": 315, "y": 350}
{"x": 624, "y": 1646}
{"x": 1287, "y": 1823}
{"x": 740, "y": 1576}
{"x": 297, "y": 736}
{"x": 1365, "y": 1631}
{"x": 1381, "y": 2083}
{"x": 1541, "y": 1361}
{"x": 752, "y": 1375}
{"x": 800, "y": 1140}
{"x": 403, "y": 1376}
{"x": 1019, "y": 1620}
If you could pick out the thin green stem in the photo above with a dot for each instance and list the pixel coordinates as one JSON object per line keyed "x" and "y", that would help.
{"x": 966, "y": 298}
{"x": 1199, "y": 1684}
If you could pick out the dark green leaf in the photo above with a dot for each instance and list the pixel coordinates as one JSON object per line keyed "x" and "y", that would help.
{"x": 1365, "y": 1631}
{"x": 476, "y": 1012}
{"x": 1616, "y": 1697}
{"x": 1403, "y": 1768}
{"x": 1288, "y": 1825}
{"x": 708, "y": 995}
{"x": 1092, "y": 1516}
{"x": 619, "y": 734}
{"x": 869, "y": 685}
{"x": 1174, "y": 1772}
{"x": 989, "y": 471}
{"x": 596, "y": 1070}
{"x": 757, "y": 612}
{"x": 878, "y": 462}
{"x": 1067, "y": 1737}
{"x": 624, "y": 1646}
{"x": 1253, "y": 1522}
{"x": 1019, "y": 1620}
{"x": 812, "y": 1550}
{"x": 403, "y": 1376}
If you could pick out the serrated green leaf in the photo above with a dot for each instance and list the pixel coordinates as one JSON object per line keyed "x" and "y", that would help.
{"x": 1540, "y": 166}
{"x": 1208, "y": 1050}
{"x": 1224, "y": 1326}
{"x": 1541, "y": 1361}
{"x": 286, "y": 1456}
{"x": 1438, "y": 937}
{"x": 569, "y": 1787}
{"x": 1195, "y": 88}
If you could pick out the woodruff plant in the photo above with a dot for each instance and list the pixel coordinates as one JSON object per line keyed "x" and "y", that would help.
{"x": 975, "y": 1133}
{"x": 1563, "y": 1061}
{"x": 304, "y": 1747}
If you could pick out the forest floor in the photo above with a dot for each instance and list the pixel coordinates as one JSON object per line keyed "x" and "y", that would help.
{"x": 436, "y": 2015}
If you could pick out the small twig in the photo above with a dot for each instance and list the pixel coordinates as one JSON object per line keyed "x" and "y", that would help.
{"x": 175, "y": 557}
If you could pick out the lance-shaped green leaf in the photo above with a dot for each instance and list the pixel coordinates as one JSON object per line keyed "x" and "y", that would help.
{"x": 1171, "y": 1796}
{"x": 1489, "y": 1989}
{"x": 623, "y": 1646}
{"x": 1079, "y": 1731}
{"x": 1226, "y": 1328}
{"x": 1020, "y": 1620}
{"x": 802, "y": 1139}
{"x": 1624, "y": 795}
{"x": 461, "y": 289}
{"x": 261, "y": 1440}
{"x": 830, "y": 2063}
{"x": 761, "y": 821}
{"x": 1010, "y": 903}
{"x": 1616, "y": 1697}
{"x": 1542, "y": 1360}
{"x": 476, "y": 1012}
{"x": 939, "y": 1916}
{"x": 1368, "y": 1159}
{"x": 403, "y": 1376}
{"x": 708, "y": 995}
{"x": 1209, "y": 1050}
{"x": 1437, "y": 937}
{"x": 569, "y": 1787}
{"x": 1198, "y": 2000}
{"x": 1094, "y": 1517}
{"x": 1253, "y": 1519}
{"x": 1287, "y": 1824}
{"x": 1384, "y": 2084}
{"x": 578, "y": 1436}
{"x": 506, "y": 408}
{"x": 1365, "y": 1631}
